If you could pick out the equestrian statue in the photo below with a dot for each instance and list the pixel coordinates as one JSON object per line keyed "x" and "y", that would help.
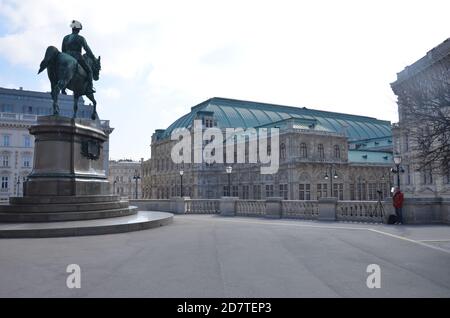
{"x": 71, "y": 70}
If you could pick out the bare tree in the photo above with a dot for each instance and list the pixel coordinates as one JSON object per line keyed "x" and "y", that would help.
{"x": 425, "y": 101}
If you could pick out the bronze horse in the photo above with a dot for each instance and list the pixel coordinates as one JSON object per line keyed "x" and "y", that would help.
{"x": 65, "y": 72}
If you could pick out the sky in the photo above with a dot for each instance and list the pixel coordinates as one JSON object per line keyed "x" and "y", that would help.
{"x": 160, "y": 58}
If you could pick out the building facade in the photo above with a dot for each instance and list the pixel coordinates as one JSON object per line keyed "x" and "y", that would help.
{"x": 321, "y": 154}
{"x": 125, "y": 177}
{"x": 146, "y": 179}
{"x": 426, "y": 188}
{"x": 415, "y": 182}
{"x": 19, "y": 110}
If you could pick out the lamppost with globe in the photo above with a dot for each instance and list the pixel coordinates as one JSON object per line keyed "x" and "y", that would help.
{"x": 181, "y": 185}
{"x": 331, "y": 177}
{"x": 229, "y": 169}
{"x": 398, "y": 169}
{"x": 136, "y": 177}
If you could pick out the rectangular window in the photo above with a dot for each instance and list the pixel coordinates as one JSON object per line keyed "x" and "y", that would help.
{"x": 362, "y": 191}
{"x": 338, "y": 191}
{"x": 269, "y": 190}
{"x": 257, "y": 192}
{"x": 27, "y": 109}
{"x": 304, "y": 192}
{"x": 322, "y": 190}
{"x": 7, "y": 108}
{"x": 301, "y": 192}
{"x": 372, "y": 191}
{"x": 27, "y": 141}
{"x": 427, "y": 174}
{"x": 5, "y": 183}
{"x": 26, "y": 161}
{"x": 352, "y": 192}
{"x": 226, "y": 191}
{"x": 245, "y": 192}
{"x": 6, "y": 141}
{"x": 235, "y": 191}
{"x": 5, "y": 160}
{"x": 284, "y": 191}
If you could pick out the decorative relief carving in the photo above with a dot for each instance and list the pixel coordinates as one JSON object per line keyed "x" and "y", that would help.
{"x": 90, "y": 149}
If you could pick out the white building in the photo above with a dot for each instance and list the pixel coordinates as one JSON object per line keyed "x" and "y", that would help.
{"x": 125, "y": 178}
{"x": 16, "y": 153}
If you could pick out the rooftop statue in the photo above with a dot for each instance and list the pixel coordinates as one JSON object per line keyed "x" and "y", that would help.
{"x": 71, "y": 70}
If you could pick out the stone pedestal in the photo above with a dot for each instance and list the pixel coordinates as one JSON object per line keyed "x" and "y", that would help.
{"x": 228, "y": 206}
{"x": 327, "y": 209}
{"x": 68, "y": 181}
{"x": 68, "y": 158}
{"x": 273, "y": 208}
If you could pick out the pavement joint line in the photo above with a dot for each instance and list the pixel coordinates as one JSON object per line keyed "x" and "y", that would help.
{"x": 443, "y": 240}
{"x": 421, "y": 243}
{"x": 417, "y": 242}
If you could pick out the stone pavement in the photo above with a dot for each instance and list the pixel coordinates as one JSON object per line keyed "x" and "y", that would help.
{"x": 213, "y": 256}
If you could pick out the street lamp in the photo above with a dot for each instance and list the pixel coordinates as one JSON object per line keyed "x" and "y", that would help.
{"x": 229, "y": 170}
{"x": 398, "y": 170}
{"x": 181, "y": 176}
{"x": 136, "y": 177}
{"x": 335, "y": 176}
{"x": 18, "y": 185}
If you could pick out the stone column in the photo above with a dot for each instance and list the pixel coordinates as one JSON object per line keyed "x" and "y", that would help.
{"x": 273, "y": 208}
{"x": 228, "y": 206}
{"x": 178, "y": 205}
{"x": 327, "y": 209}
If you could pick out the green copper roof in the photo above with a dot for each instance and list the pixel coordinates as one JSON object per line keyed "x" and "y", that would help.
{"x": 371, "y": 157}
{"x": 245, "y": 114}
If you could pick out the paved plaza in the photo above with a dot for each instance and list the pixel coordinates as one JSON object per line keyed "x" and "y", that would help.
{"x": 213, "y": 256}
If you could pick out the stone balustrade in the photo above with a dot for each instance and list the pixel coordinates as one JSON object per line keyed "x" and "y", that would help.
{"x": 304, "y": 210}
{"x": 325, "y": 209}
{"x": 361, "y": 211}
{"x": 251, "y": 208}
{"x": 194, "y": 206}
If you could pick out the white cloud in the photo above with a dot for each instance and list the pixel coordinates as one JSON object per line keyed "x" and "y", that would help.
{"x": 111, "y": 93}
{"x": 161, "y": 57}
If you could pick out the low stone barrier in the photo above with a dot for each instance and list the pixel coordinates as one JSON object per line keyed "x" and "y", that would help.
{"x": 415, "y": 211}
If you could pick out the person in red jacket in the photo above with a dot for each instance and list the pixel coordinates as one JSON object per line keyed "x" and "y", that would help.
{"x": 397, "y": 201}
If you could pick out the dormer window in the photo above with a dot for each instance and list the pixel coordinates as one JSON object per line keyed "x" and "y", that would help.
{"x": 208, "y": 122}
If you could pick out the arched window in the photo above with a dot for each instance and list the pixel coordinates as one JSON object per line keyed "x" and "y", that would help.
{"x": 337, "y": 152}
{"x": 283, "y": 151}
{"x": 303, "y": 150}
{"x": 320, "y": 151}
